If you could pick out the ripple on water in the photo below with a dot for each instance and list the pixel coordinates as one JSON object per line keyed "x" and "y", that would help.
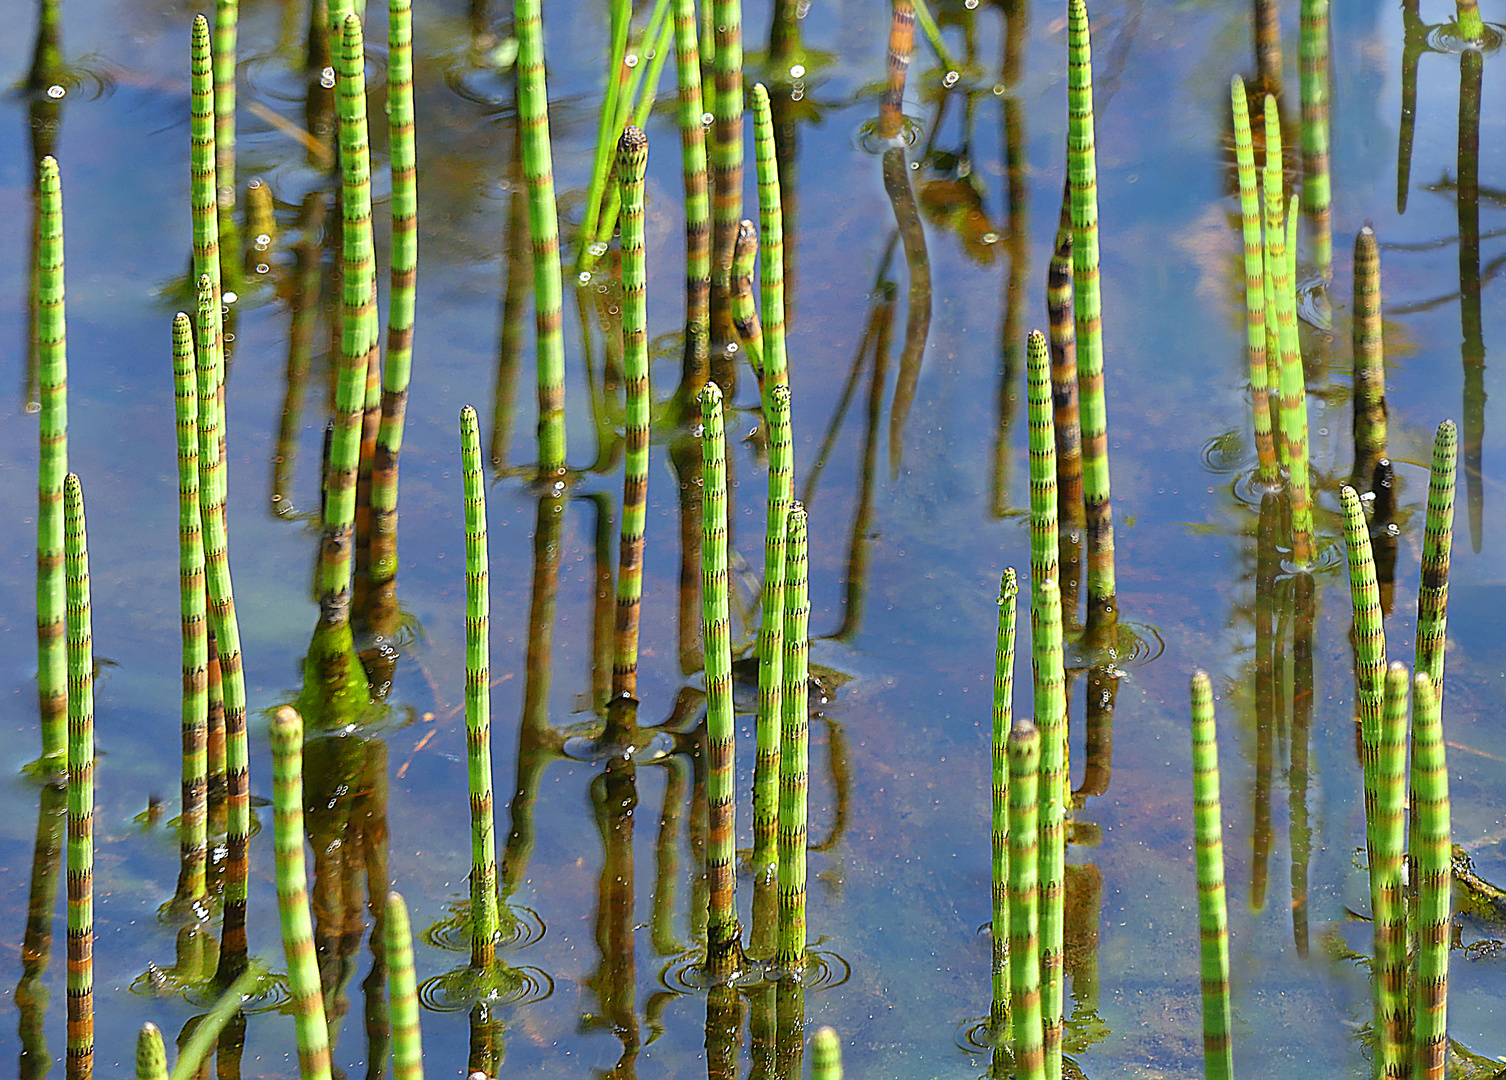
{"x": 522, "y": 927}
{"x": 1313, "y": 306}
{"x": 458, "y": 990}
{"x": 90, "y": 78}
{"x": 1444, "y": 39}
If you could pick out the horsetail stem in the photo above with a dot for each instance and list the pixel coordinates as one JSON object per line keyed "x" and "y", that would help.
{"x": 1387, "y": 883}
{"x": 356, "y": 338}
{"x": 407, "y": 1040}
{"x": 608, "y": 125}
{"x": 1002, "y": 713}
{"x": 1087, "y": 302}
{"x": 1317, "y": 190}
{"x": 151, "y": 1055}
{"x": 80, "y": 787}
{"x": 723, "y": 944}
{"x": 1024, "y": 943}
{"x": 192, "y": 833}
{"x": 726, "y": 138}
{"x": 478, "y": 700}
{"x": 403, "y": 157}
{"x": 206, "y": 1033}
{"x": 52, "y": 364}
{"x": 1293, "y": 392}
{"x": 1467, "y": 22}
{"x": 1369, "y": 361}
{"x": 1043, "y": 524}
{"x": 1432, "y": 874}
{"x": 826, "y": 1055}
{"x": 794, "y": 758}
{"x": 697, "y": 204}
{"x": 1369, "y": 633}
{"x": 1066, "y": 421}
{"x": 771, "y": 241}
{"x": 292, "y": 894}
{"x": 1213, "y": 914}
{"x": 744, "y": 312}
{"x": 897, "y": 68}
{"x": 226, "y": 29}
{"x": 543, "y": 226}
{"x": 632, "y": 158}
{"x": 225, "y": 629}
{"x": 1255, "y": 307}
{"x": 1437, "y": 545}
{"x": 773, "y": 646}
{"x": 204, "y": 181}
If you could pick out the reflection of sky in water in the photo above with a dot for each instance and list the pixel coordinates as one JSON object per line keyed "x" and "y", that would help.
{"x": 899, "y": 897}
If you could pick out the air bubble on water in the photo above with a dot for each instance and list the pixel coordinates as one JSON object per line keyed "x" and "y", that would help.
{"x": 797, "y": 71}
{"x": 998, "y": 89}
{"x": 55, "y": 91}
{"x": 598, "y": 249}
{"x": 327, "y": 78}
{"x": 262, "y": 268}
{"x": 971, "y": 5}
{"x": 584, "y": 277}
{"x": 699, "y": 431}
{"x": 949, "y": 79}
{"x": 613, "y": 310}
{"x": 262, "y": 241}
{"x": 231, "y": 297}
{"x": 707, "y": 119}
{"x": 631, "y": 60}
{"x": 33, "y": 407}
{"x": 990, "y": 238}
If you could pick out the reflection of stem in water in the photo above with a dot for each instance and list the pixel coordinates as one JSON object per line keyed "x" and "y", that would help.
{"x": 369, "y": 814}
{"x": 36, "y": 943}
{"x": 193, "y": 841}
{"x": 763, "y": 1028}
{"x": 52, "y": 362}
{"x": 724, "y": 1023}
{"x": 1414, "y": 44}
{"x": 744, "y": 310}
{"x": 723, "y": 944}
{"x": 1437, "y": 545}
{"x": 1268, "y": 44}
{"x": 601, "y": 606}
{"x": 685, "y": 458}
{"x": 487, "y": 1048}
{"x": 697, "y": 205}
{"x": 1003, "y": 709}
{"x": 1087, "y": 304}
{"x": 1015, "y": 33}
{"x": 1383, "y": 531}
{"x": 1317, "y": 197}
{"x": 1265, "y": 759}
{"x": 726, "y": 145}
{"x": 304, "y": 305}
{"x": 518, "y": 274}
{"x": 1098, "y": 731}
{"x": 789, "y": 1015}
{"x": 1304, "y": 600}
{"x": 1213, "y": 915}
{"x": 1083, "y": 910}
{"x": 918, "y": 304}
{"x": 1269, "y": 701}
{"x": 614, "y": 797}
{"x": 478, "y": 702}
{"x": 667, "y": 857}
{"x": 1369, "y": 361}
{"x": 1473, "y": 347}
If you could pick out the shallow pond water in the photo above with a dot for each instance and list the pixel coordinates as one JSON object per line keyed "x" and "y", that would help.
{"x": 919, "y": 505}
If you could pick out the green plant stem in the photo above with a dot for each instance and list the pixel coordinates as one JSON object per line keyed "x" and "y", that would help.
{"x": 608, "y": 124}
{"x": 407, "y": 1039}
{"x": 478, "y": 700}
{"x": 151, "y": 1055}
{"x": 292, "y": 894}
{"x": 1003, "y": 708}
{"x": 794, "y": 759}
{"x": 51, "y": 347}
{"x": 1437, "y": 546}
{"x": 723, "y": 943}
{"x": 1213, "y": 914}
{"x": 1393, "y": 1024}
{"x": 192, "y": 830}
{"x": 826, "y": 1055}
{"x": 933, "y": 35}
{"x": 1255, "y": 307}
{"x": 1087, "y": 300}
{"x": 1432, "y": 874}
{"x": 632, "y": 159}
{"x": 226, "y": 31}
{"x": 206, "y": 1033}
{"x": 1066, "y": 420}
{"x": 726, "y": 138}
{"x": 80, "y": 1057}
{"x": 1317, "y": 187}
{"x": 543, "y": 227}
{"x": 1467, "y": 22}
{"x": 1024, "y": 943}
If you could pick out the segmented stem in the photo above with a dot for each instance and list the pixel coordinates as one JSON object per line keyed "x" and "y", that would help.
{"x": 632, "y": 158}
{"x": 403, "y": 159}
{"x": 1369, "y": 361}
{"x": 1432, "y": 873}
{"x": 193, "y": 616}
{"x": 1044, "y": 550}
{"x": 204, "y": 182}
{"x": 1068, "y": 425}
{"x": 1255, "y": 313}
{"x": 80, "y": 1059}
{"x": 1437, "y": 545}
{"x": 226, "y": 31}
{"x": 478, "y": 700}
{"x": 1393, "y": 1023}
{"x": 1024, "y": 897}
{"x": 726, "y": 136}
{"x": 1284, "y": 303}
{"x": 697, "y": 202}
{"x": 356, "y": 341}
{"x": 51, "y": 346}
{"x": 826, "y": 1055}
{"x": 1369, "y": 637}
{"x": 773, "y": 643}
{"x": 543, "y": 226}
{"x": 292, "y": 895}
{"x": 723, "y": 947}
{"x": 151, "y": 1055}
{"x": 1002, "y": 715}
{"x": 794, "y": 757}
{"x": 771, "y": 241}
{"x": 1213, "y": 913}
{"x": 407, "y": 1039}
{"x": 225, "y": 628}
{"x": 1317, "y": 190}
{"x": 1083, "y": 169}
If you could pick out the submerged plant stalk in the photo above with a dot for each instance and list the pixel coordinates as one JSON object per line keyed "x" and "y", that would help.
{"x": 478, "y": 701}
{"x": 80, "y": 1057}
{"x": 292, "y": 895}
{"x": 1213, "y": 914}
{"x": 51, "y": 347}
{"x": 794, "y": 760}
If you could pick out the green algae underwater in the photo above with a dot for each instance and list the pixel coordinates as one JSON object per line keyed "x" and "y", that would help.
{"x": 857, "y": 850}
